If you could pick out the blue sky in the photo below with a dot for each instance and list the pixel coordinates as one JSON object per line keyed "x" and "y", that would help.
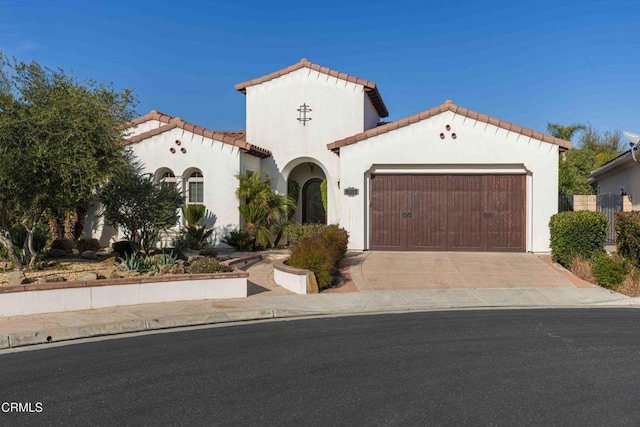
{"x": 525, "y": 62}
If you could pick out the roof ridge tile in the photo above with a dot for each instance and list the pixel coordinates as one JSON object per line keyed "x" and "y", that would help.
{"x": 460, "y": 111}
{"x": 173, "y": 122}
{"x": 370, "y": 87}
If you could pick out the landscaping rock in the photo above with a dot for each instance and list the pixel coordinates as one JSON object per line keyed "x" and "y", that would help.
{"x": 312, "y": 283}
{"x": 88, "y": 276}
{"x": 119, "y": 274}
{"x": 105, "y": 273}
{"x": 89, "y": 255}
{"x": 56, "y": 253}
{"x": 15, "y": 278}
{"x": 52, "y": 278}
{"x": 172, "y": 269}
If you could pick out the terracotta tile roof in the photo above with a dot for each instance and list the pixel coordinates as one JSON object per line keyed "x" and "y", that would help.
{"x": 449, "y": 106}
{"x": 235, "y": 138}
{"x": 370, "y": 87}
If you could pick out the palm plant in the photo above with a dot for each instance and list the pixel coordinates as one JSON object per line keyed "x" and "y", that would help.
{"x": 195, "y": 233}
{"x": 564, "y": 132}
{"x": 264, "y": 210}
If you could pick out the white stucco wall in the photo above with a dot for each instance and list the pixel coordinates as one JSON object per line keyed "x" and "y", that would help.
{"x": 337, "y": 112}
{"x": 478, "y": 148}
{"x": 371, "y": 117}
{"x": 218, "y": 162}
{"x": 625, "y": 176}
{"x": 144, "y": 127}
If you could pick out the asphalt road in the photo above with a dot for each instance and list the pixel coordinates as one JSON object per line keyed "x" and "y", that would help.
{"x": 519, "y": 367}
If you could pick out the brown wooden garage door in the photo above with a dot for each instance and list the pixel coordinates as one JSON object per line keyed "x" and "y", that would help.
{"x": 448, "y": 212}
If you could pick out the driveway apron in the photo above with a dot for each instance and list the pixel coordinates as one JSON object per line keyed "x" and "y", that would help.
{"x": 379, "y": 270}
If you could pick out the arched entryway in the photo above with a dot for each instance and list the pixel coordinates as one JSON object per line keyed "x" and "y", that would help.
{"x": 313, "y": 211}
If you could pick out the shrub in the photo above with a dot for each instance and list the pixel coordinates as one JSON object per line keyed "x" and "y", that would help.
{"x": 66, "y": 245}
{"x": 335, "y": 240}
{"x": 296, "y": 232}
{"x": 124, "y": 247}
{"x": 628, "y": 235}
{"x": 208, "y": 251}
{"x": 238, "y": 239}
{"x": 180, "y": 243}
{"x": 207, "y": 265}
{"x": 311, "y": 255}
{"x": 88, "y": 245}
{"x": 321, "y": 252}
{"x": 610, "y": 273}
{"x": 579, "y": 233}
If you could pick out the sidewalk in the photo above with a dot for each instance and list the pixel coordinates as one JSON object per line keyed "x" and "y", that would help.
{"x": 37, "y": 329}
{"x": 267, "y": 300}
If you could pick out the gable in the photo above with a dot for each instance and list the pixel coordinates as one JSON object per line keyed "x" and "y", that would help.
{"x": 460, "y": 111}
{"x": 161, "y": 123}
{"x": 370, "y": 88}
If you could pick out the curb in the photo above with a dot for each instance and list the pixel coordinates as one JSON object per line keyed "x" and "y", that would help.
{"x": 46, "y": 336}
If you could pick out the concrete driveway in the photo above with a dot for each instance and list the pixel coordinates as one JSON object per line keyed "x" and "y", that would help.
{"x": 376, "y": 270}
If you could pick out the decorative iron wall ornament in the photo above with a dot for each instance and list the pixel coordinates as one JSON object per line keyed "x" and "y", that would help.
{"x": 302, "y": 116}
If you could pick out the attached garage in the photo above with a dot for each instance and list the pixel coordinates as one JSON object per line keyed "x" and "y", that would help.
{"x": 448, "y": 212}
{"x": 449, "y": 179}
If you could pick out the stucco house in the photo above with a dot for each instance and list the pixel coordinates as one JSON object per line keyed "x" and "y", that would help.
{"x": 446, "y": 178}
{"x": 619, "y": 176}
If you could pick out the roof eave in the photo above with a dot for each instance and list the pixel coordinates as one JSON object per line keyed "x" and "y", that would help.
{"x": 612, "y": 164}
{"x": 449, "y": 106}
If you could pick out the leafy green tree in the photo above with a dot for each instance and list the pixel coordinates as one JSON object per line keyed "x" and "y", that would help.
{"x": 594, "y": 149}
{"x": 60, "y": 138}
{"x": 574, "y": 169}
{"x": 606, "y": 145}
{"x": 140, "y": 206}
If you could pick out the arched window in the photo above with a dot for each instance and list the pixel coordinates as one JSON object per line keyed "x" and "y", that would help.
{"x": 195, "y": 188}
{"x": 168, "y": 178}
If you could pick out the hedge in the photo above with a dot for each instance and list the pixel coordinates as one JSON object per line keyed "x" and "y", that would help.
{"x": 579, "y": 233}
{"x": 628, "y": 235}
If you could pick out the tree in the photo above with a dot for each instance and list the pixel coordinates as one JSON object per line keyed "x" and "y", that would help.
{"x": 265, "y": 211}
{"x": 564, "y": 132}
{"x": 60, "y": 138}
{"x": 573, "y": 171}
{"x": 140, "y": 206}
{"x": 593, "y": 150}
{"x": 606, "y": 145}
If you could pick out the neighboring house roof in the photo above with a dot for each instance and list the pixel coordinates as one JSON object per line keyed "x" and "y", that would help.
{"x": 610, "y": 166}
{"x": 448, "y": 106}
{"x": 370, "y": 87}
{"x": 235, "y": 138}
